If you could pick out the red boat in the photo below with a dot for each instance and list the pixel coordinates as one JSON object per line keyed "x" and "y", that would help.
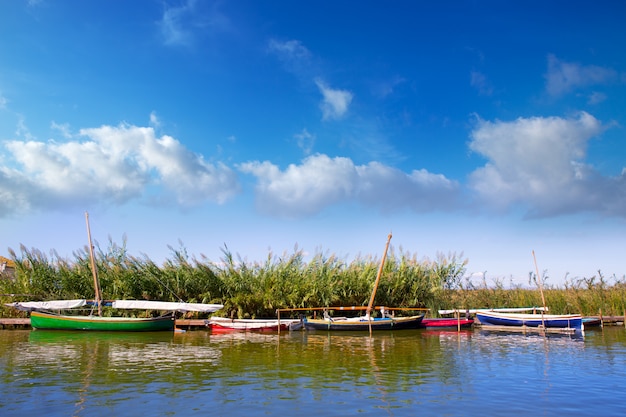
{"x": 226, "y": 325}
{"x": 447, "y": 322}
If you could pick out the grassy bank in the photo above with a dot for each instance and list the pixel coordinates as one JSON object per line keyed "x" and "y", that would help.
{"x": 257, "y": 289}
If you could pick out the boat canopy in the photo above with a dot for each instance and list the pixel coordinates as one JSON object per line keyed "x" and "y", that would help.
{"x": 47, "y": 305}
{"x": 165, "y": 305}
{"x": 121, "y": 304}
{"x": 501, "y": 310}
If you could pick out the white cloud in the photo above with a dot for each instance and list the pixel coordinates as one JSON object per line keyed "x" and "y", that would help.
{"x": 294, "y": 56}
{"x": 540, "y": 163}
{"x": 305, "y": 141}
{"x": 180, "y": 25}
{"x": 22, "y": 129}
{"x": 114, "y": 164}
{"x": 172, "y": 25}
{"x": 154, "y": 120}
{"x": 595, "y": 98}
{"x": 63, "y": 128}
{"x": 387, "y": 87}
{"x": 563, "y": 77}
{"x": 479, "y": 81}
{"x": 335, "y": 102}
{"x": 321, "y": 181}
{"x": 292, "y": 50}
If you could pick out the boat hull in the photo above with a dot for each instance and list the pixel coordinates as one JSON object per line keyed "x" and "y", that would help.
{"x": 226, "y": 325}
{"x": 400, "y": 323}
{"x": 565, "y": 321}
{"x": 446, "y": 323}
{"x": 48, "y": 321}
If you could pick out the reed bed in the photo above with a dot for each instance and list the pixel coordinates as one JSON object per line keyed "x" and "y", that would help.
{"x": 257, "y": 289}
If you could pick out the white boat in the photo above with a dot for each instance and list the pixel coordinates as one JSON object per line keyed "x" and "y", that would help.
{"x": 224, "y": 324}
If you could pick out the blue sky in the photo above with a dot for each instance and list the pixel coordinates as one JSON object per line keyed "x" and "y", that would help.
{"x": 488, "y": 129}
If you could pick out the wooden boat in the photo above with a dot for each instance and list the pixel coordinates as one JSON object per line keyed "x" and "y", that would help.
{"x": 447, "y": 322}
{"x": 226, "y": 325}
{"x": 43, "y": 317}
{"x": 592, "y": 322}
{"x": 496, "y": 318}
{"x": 52, "y": 321}
{"x": 364, "y": 323}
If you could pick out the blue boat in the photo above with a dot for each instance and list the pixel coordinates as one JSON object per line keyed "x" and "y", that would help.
{"x": 564, "y": 321}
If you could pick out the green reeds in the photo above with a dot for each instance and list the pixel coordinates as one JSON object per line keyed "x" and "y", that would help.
{"x": 257, "y": 289}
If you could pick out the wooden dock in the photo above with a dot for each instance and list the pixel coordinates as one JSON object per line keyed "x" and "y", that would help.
{"x": 13, "y": 323}
{"x": 525, "y": 329}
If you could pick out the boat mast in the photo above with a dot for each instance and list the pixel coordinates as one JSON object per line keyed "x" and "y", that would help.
{"x": 94, "y": 271}
{"x": 543, "y": 300}
{"x": 380, "y": 272}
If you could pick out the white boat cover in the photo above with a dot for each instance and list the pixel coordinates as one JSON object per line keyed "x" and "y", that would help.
{"x": 165, "y": 305}
{"x": 47, "y": 305}
{"x": 501, "y": 310}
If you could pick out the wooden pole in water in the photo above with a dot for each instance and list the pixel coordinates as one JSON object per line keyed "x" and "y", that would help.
{"x": 543, "y": 300}
{"x": 94, "y": 271}
{"x": 380, "y": 272}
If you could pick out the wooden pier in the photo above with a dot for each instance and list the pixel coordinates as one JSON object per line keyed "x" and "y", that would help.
{"x": 525, "y": 329}
{"x": 14, "y": 323}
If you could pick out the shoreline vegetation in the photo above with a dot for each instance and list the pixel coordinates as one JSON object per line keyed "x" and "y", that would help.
{"x": 257, "y": 289}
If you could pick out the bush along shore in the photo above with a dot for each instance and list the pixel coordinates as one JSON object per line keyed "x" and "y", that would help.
{"x": 257, "y": 289}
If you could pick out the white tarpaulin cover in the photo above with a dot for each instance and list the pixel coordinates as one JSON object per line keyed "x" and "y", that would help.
{"x": 165, "y": 305}
{"x": 47, "y": 305}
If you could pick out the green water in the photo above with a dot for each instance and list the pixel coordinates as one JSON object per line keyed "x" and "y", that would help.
{"x": 302, "y": 373}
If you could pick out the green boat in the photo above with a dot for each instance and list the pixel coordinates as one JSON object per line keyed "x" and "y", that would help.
{"x": 51, "y": 321}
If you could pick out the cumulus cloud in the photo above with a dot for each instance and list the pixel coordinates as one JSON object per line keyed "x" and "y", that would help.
{"x": 335, "y": 103}
{"x": 539, "y": 163}
{"x": 320, "y": 181}
{"x": 563, "y": 77}
{"x": 113, "y": 164}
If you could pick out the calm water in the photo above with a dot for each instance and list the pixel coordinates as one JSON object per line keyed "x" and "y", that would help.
{"x": 412, "y": 372}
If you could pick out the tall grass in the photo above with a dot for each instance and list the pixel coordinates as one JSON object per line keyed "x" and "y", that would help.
{"x": 257, "y": 289}
{"x": 588, "y": 296}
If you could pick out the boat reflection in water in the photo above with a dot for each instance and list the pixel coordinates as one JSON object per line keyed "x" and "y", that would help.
{"x": 447, "y": 372}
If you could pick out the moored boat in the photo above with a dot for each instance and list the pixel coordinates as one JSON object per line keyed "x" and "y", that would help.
{"x": 224, "y": 325}
{"x": 447, "y": 322}
{"x": 590, "y": 322}
{"x": 496, "y": 318}
{"x": 51, "y": 321}
{"x": 364, "y": 323}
